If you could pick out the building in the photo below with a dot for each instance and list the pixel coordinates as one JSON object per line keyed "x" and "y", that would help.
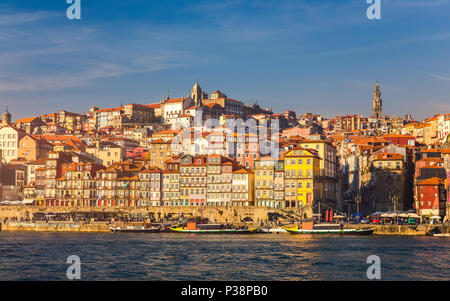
{"x": 30, "y": 125}
{"x": 32, "y": 149}
{"x": 9, "y": 142}
{"x": 106, "y": 153}
{"x": 269, "y": 182}
{"x": 6, "y": 118}
{"x": 302, "y": 189}
{"x": 431, "y": 197}
{"x": 443, "y": 127}
{"x": 160, "y": 152}
{"x": 118, "y": 184}
{"x": 77, "y": 186}
{"x": 242, "y": 188}
{"x": 219, "y": 180}
{"x": 12, "y": 181}
{"x": 348, "y": 122}
{"x": 387, "y": 180}
{"x": 32, "y": 168}
{"x": 400, "y": 140}
{"x": 193, "y": 187}
{"x": 327, "y": 179}
{"x": 229, "y": 106}
{"x": 377, "y": 103}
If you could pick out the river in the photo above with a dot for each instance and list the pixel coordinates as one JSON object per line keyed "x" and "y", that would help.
{"x": 171, "y": 256}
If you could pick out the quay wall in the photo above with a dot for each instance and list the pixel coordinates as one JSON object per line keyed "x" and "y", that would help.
{"x": 422, "y": 229}
{"x": 215, "y": 214}
{"x": 56, "y": 226}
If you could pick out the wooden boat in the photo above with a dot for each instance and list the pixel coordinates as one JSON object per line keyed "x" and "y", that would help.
{"x": 309, "y": 228}
{"x": 136, "y": 229}
{"x": 276, "y": 230}
{"x": 212, "y": 229}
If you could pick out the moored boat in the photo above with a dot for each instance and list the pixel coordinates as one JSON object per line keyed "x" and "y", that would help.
{"x": 275, "y": 230}
{"x": 310, "y": 228}
{"x": 213, "y": 229}
{"x": 441, "y": 234}
{"x": 137, "y": 228}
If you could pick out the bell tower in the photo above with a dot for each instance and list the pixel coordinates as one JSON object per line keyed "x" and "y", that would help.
{"x": 377, "y": 104}
{"x": 6, "y": 117}
{"x": 197, "y": 94}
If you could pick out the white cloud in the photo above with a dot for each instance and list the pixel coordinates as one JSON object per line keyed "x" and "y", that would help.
{"x": 446, "y": 78}
{"x": 8, "y": 19}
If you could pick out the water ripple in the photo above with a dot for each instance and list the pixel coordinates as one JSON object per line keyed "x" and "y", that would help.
{"x": 108, "y": 256}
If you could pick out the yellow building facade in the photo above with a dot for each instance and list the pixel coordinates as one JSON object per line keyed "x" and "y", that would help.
{"x": 302, "y": 167}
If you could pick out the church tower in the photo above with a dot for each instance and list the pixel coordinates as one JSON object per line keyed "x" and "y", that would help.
{"x": 198, "y": 94}
{"x": 6, "y": 118}
{"x": 377, "y": 105}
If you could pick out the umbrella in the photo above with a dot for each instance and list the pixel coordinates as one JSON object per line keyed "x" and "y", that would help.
{"x": 403, "y": 215}
{"x": 435, "y": 217}
{"x": 413, "y": 215}
{"x": 386, "y": 215}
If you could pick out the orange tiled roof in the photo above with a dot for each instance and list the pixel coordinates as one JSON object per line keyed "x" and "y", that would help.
{"x": 431, "y": 181}
{"x": 432, "y": 159}
{"x": 388, "y": 156}
{"x": 26, "y": 120}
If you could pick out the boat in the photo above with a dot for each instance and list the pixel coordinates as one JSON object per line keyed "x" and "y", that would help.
{"x": 276, "y": 230}
{"x": 311, "y": 228}
{"x": 146, "y": 228}
{"x": 213, "y": 229}
{"x": 441, "y": 234}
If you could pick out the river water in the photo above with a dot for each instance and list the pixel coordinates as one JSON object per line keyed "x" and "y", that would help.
{"x": 171, "y": 256}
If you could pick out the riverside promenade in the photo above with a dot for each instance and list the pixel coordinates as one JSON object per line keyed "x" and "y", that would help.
{"x": 19, "y": 218}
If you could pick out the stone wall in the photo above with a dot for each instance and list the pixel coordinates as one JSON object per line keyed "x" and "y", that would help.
{"x": 215, "y": 214}
{"x": 56, "y": 227}
{"x": 394, "y": 229}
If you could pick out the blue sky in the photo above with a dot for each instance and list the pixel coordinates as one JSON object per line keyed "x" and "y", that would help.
{"x": 320, "y": 56}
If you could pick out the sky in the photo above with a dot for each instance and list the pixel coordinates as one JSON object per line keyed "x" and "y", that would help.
{"x": 319, "y": 56}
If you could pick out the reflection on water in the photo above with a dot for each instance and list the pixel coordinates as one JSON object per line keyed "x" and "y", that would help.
{"x": 108, "y": 256}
